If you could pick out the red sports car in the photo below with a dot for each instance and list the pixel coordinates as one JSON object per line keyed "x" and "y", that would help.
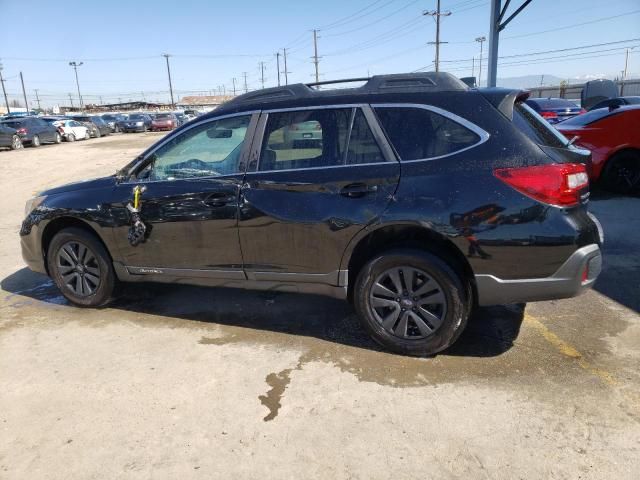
{"x": 613, "y": 136}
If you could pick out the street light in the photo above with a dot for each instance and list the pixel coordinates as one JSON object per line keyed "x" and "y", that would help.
{"x": 480, "y": 40}
{"x": 75, "y": 66}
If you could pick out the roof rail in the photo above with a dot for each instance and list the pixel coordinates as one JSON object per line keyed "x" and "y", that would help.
{"x": 331, "y": 82}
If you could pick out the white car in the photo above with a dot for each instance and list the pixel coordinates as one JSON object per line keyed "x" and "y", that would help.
{"x": 73, "y": 130}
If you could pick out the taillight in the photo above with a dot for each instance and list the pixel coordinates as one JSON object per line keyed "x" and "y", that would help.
{"x": 549, "y": 114}
{"x": 21, "y": 131}
{"x": 557, "y": 184}
{"x": 582, "y": 110}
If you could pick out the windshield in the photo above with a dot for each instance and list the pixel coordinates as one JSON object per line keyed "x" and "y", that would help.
{"x": 537, "y": 128}
{"x": 109, "y": 117}
{"x": 136, "y": 117}
{"x": 545, "y": 103}
{"x": 163, "y": 116}
{"x": 589, "y": 117}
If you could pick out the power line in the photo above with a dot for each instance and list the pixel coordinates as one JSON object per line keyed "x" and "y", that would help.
{"x": 367, "y": 25}
{"x": 349, "y": 18}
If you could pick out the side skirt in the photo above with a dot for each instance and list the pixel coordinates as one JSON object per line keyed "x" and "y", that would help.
{"x": 278, "y": 282}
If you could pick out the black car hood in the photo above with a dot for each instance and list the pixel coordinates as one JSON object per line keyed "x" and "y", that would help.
{"x": 82, "y": 185}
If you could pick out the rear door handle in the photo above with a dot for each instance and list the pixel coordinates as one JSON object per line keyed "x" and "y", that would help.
{"x": 219, "y": 199}
{"x": 357, "y": 190}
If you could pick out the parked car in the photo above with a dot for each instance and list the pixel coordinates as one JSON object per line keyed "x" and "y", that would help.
{"x": 113, "y": 119}
{"x": 9, "y": 137}
{"x": 33, "y": 131}
{"x": 191, "y": 114}
{"x": 305, "y": 133}
{"x": 163, "y": 121}
{"x": 135, "y": 122}
{"x": 613, "y": 136}
{"x": 423, "y": 199}
{"x": 73, "y": 130}
{"x": 555, "y": 110}
{"x": 181, "y": 118}
{"x": 96, "y": 125}
{"x": 616, "y": 102}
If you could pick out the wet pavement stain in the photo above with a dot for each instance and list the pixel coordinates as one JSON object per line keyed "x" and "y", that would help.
{"x": 272, "y": 400}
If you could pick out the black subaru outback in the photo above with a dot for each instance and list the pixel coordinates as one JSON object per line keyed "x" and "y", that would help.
{"x": 412, "y": 196}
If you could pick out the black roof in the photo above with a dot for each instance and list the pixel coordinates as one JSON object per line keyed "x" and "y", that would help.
{"x": 423, "y": 82}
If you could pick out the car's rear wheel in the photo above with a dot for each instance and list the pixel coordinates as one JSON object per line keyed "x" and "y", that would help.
{"x": 81, "y": 267}
{"x": 71, "y": 137}
{"x": 35, "y": 141}
{"x": 622, "y": 173}
{"x": 58, "y": 138}
{"x": 16, "y": 142}
{"x": 411, "y": 302}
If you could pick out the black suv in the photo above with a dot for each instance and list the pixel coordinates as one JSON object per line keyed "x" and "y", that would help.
{"x": 413, "y": 196}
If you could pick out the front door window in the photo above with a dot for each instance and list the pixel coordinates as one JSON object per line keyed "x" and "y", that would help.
{"x": 210, "y": 149}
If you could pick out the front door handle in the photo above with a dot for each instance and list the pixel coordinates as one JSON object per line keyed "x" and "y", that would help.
{"x": 219, "y": 199}
{"x": 357, "y": 190}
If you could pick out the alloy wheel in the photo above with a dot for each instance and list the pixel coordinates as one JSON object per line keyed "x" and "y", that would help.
{"x": 79, "y": 269}
{"x": 16, "y": 143}
{"x": 407, "y": 302}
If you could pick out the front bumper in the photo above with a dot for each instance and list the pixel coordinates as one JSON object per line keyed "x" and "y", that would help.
{"x": 568, "y": 281}
{"x": 31, "y": 247}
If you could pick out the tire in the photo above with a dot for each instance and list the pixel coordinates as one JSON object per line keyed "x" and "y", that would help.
{"x": 58, "y": 138}
{"x": 91, "y": 284}
{"x": 144, "y": 129}
{"x": 71, "y": 137}
{"x": 35, "y": 141}
{"x": 16, "y": 143}
{"x": 116, "y": 129}
{"x": 87, "y": 136}
{"x": 98, "y": 134}
{"x": 621, "y": 173}
{"x": 402, "y": 321}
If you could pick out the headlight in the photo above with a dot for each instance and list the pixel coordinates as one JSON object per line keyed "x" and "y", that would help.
{"x": 32, "y": 204}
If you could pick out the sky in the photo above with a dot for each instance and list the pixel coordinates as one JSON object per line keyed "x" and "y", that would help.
{"x": 211, "y": 42}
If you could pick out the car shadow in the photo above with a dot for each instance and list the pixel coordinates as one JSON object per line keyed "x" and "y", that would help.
{"x": 490, "y": 332}
{"x": 620, "y": 277}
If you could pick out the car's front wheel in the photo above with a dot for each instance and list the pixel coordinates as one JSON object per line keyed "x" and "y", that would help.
{"x": 35, "y": 141}
{"x": 81, "y": 267}
{"x": 87, "y": 136}
{"x": 71, "y": 137}
{"x": 57, "y": 138}
{"x": 411, "y": 302}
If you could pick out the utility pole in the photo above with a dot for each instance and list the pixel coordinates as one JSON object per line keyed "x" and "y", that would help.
{"x": 436, "y": 14}
{"x": 75, "y": 66}
{"x": 480, "y": 40}
{"x": 101, "y": 102}
{"x": 245, "y": 82}
{"x": 278, "y": 66}
{"x": 316, "y": 59}
{"x": 473, "y": 66}
{"x": 4, "y": 92}
{"x": 37, "y": 98}
{"x": 166, "y": 56}
{"x": 286, "y": 72}
{"x": 71, "y": 100}
{"x": 233, "y": 80}
{"x": 24, "y": 93}
{"x": 262, "y": 74}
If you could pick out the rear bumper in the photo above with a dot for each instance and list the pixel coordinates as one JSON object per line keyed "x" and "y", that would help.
{"x": 566, "y": 282}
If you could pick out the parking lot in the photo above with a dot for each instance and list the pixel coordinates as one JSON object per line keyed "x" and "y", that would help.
{"x": 178, "y": 381}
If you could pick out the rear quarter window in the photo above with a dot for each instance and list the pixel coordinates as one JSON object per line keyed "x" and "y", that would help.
{"x": 419, "y": 133}
{"x": 535, "y": 127}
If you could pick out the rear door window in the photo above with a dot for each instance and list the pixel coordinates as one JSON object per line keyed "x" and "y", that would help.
{"x": 420, "y": 133}
{"x": 537, "y": 128}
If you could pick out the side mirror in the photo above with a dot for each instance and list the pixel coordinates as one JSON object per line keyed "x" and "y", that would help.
{"x": 219, "y": 133}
